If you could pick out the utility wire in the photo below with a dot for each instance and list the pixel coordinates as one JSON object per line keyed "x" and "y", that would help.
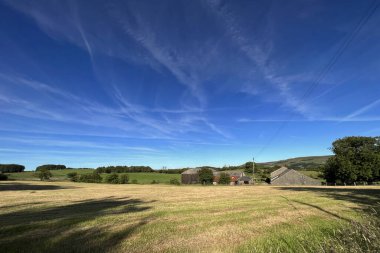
{"x": 328, "y": 67}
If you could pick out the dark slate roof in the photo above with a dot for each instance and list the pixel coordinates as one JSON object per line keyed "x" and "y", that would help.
{"x": 279, "y": 171}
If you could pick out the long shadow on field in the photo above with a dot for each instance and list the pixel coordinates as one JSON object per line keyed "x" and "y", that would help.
{"x": 30, "y": 187}
{"x": 78, "y": 227}
{"x": 367, "y": 199}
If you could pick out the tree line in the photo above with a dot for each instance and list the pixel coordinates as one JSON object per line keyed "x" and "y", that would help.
{"x": 124, "y": 169}
{"x": 51, "y": 167}
{"x": 10, "y": 168}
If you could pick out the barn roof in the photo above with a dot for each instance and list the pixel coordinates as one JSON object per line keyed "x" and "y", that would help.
{"x": 190, "y": 171}
{"x": 284, "y": 171}
{"x": 279, "y": 171}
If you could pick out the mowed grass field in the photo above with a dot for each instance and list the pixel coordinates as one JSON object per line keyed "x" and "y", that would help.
{"x": 80, "y": 217}
{"x": 61, "y": 175}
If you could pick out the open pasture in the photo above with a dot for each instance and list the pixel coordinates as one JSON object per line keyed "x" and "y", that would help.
{"x": 61, "y": 175}
{"x": 80, "y": 217}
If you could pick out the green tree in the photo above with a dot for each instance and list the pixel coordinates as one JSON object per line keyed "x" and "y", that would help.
{"x": 224, "y": 178}
{"x": 205, "y": 176}
{"x": 90, "y": 178}
{"x": 123, "y": 179}
{"x": 356, "y": 159}
{"x": 248, "y": 168}
{"x": 112, "y": 178}
{"x": 44, "y": 174}
{"x": 9, "y": 168}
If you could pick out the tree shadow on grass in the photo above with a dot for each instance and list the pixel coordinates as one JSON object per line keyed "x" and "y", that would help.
{"x": 368, "y": 200}
{"x": 31, "y": 187}
{"x": 84, "y": 226}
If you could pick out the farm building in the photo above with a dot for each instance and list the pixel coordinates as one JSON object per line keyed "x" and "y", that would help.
{"x": 285, "y": 176}
{"x": 244, "y": 180}
{"x": 190, "y": 176}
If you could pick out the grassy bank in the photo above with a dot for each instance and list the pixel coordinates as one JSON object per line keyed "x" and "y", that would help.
{"x": 64, "y": 217}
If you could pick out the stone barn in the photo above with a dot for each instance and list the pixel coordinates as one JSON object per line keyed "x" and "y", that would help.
{"x": 285, "y": 176}
{"x": 191, "y": 176}
{"x": 245, "y": 180}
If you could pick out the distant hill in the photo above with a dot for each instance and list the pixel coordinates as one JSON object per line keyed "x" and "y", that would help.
{"x": 307, "y": 162}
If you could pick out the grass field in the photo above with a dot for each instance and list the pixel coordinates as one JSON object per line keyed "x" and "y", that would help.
{"x": 60, "y": 175}
{"x": 80, "y": 217}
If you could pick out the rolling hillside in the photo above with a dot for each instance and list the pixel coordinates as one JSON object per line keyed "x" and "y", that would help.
{"x": 307, "y": 162}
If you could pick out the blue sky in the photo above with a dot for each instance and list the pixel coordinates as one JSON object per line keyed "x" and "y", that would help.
{"x": 184, "y": 83}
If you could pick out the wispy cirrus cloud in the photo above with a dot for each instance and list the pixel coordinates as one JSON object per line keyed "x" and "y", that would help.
{"x": 362, "y": 110}
{"x": 189, "y": 67}
{"x": 260, "y": 54}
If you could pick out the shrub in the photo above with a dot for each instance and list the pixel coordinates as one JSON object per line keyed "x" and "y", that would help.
{"x": 112, "y": 178}
{"x": 90, "y": 178}
{"x": 73, "y": 176}
{"x": 44, "y": 174}
{"x": 174, "y": 181}
{"x": 224, "y": 178}
{"x": 123, "y": 179}
{"x": 134, "y": 181}
{"x": 155, "y": 182}
{"x": 3, "y": 177}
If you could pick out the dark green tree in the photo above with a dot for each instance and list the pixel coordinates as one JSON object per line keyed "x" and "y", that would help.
{"x": 44, "y": 174}
{"x": 112, "y": 178}
{"x": 356, "y": 159}
{"x": 9, "y": 168}
{"x": 123, "y": 179}
{"x": 224, "y": 178}
{"x": 90, "y": 178}
{"x": 205, "y": 176}
{"x": 248, "y": 168}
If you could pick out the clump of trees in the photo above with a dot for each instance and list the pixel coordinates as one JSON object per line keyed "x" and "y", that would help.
{"x": 205, "y": 176}
{"x": 10, "y": 168}
{"x": 44, "y": 174}
{"x": 51, "y": 167}
{"x": 356, "y": 159}
{"x": 95, "y": 177}
{"x": 123, "y": 179}
{"x": 224, "y": 178}
{"x": 90, "y": 178}
{"x": 124, "y": 169}
{"x": 112, "y": 178}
